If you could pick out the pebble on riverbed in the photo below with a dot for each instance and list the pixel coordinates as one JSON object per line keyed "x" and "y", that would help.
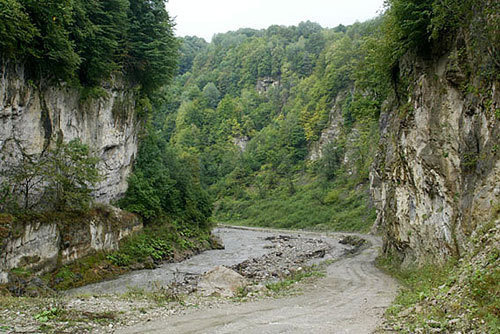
{"x": 290, "y": 252}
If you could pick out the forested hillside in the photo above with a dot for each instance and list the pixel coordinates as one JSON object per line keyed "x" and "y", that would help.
{"x": 249, "y": 107}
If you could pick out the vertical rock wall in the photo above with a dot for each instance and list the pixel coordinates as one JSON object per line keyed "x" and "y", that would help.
{"x": 31, "y": 118}
{"x": 437, "y": 175}
{"x": 41, "y": 245}
{"x": 333, "y": 130}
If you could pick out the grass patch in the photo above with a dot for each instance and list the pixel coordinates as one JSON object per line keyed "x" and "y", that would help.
{"x": 87, "y": 270}
{"x": 160, "y": 296}
{"x": 340, "y": 205}
{"x": 49, "y": 315}
{"x": 460, "y": 296}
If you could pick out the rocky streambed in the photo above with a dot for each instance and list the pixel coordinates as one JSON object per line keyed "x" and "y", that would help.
{"x": 255, "y": 256}
{"x": 259, "y": 255}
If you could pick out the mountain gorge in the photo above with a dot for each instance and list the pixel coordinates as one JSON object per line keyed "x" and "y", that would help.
{"x": 307, "y": 119}
{"x": 252, "y": 109}
{"x": 390, "y": 126}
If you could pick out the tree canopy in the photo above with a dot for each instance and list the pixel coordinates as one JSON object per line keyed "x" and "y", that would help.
{"x": 85, "y": 42}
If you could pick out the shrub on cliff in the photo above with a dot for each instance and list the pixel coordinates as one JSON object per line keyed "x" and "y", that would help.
{"x": 59, "y": 179}
{"x": 427, "y": 26}
{"x": 71, "y": 174}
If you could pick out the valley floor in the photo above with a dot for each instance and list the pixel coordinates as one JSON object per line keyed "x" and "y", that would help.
{"x": 344, "y": 294}
{"x": 351, "y": 298}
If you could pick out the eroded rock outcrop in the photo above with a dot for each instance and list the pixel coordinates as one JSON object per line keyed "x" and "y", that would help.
{"x": 437, "y": 174}
{"x": 333, "y": 130}
{"x": 265, "y": 84}
{"x": 41, "y": 244}
{"x": 32, "y": 118}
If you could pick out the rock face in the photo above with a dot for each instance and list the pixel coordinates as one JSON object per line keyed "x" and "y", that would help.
{"x": 32, "y": 118}
{"x": 333, "y": 130}
{"x": 42, "y": 246}
{"x": 241, "y": 142}
{"x": 437, "y": 174}
{"x": 345, "y": 135}
{"x": 264, "y": 84}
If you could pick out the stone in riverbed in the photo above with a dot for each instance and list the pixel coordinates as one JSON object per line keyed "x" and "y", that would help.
{"x": 221, "y": 281}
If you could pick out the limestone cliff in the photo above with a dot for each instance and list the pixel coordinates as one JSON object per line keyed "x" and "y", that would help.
{"x": 437, "y": 174}
{"x": 354, "y": 139}
{"x": 32, "y": 118}
{"x": 42, "y": 243}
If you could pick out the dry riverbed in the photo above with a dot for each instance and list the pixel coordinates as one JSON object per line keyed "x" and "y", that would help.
{"x": 344, "y": 292}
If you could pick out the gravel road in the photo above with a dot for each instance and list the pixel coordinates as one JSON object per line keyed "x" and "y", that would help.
{"x": 350, "y": 299}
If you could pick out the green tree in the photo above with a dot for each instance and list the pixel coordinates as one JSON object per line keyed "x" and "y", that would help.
{"x": 98, "y": 32}
{"x": 22, "y": 184}
{"x": 85, "y": 42}
{"x": 190, "y": 47}
{"x": 152, "y": 53}
{"x": 17, "y": 32}
{"x": 211, "y": 94}
{"x": 412, "y": 19}
{"x": 61, "y": 178}
{"x": 71, "y": 172}
{"x": 164, "y": 184}
{"x": 53, "y": 45}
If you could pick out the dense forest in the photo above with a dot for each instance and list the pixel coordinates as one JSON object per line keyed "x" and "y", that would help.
{"x": 248, "y": 107}
{"x": 85, "y": 42}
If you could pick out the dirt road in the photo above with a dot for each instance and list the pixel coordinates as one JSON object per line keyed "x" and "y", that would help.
{"x": 350, "y": 299}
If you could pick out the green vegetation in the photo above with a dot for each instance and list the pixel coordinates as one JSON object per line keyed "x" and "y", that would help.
{"x": 47, "y": 315}
{"x": 61, "y": 179}
{"x": 462, "y": 295}
{"x": 430, "y": 27}
{"x": 423, "y": 25}
{"x": 317, "y": 205}
{"x": 158, "y": 243}
{"x": 166, "y": 184}
{"x": 301, "y": 73}
{"x": 86, "y": 42}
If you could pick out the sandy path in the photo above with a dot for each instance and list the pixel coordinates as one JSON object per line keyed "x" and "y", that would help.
{"x": 350, "y": 299}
